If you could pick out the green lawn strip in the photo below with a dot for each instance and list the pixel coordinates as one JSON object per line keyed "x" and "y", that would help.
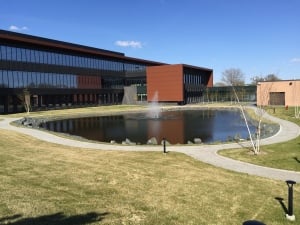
{"x": 282, "y": 156}
{"x": 111, "y": 109}
{"x": 43, "y": 182}
{"x": 81, "y": 112}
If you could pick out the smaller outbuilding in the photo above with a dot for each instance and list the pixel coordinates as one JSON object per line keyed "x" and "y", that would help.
{"x": 281, "y": 93}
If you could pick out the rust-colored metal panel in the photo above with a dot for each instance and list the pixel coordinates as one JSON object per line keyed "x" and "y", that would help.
{"x": 166, "y": 83}
{"x": 210, "y": 80}
{"x": 88, "y": 82}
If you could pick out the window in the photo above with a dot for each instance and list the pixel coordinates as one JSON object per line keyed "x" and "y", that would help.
{"x": 59, "y": 59}
{"x": 23, "y": 54}
{"x": 32, "y": 79}
{"x": 8, "y": 53}
{"x": 10, "y": 79}
{"x": 40, "y": 57}
{"x": 28, "y": 55}
{"x": 5, "y": 78}
{"x": 32, "y": 56}
{"x": 2, "y": 52}
{"x": 1, "y": 79}
{"x": 19, "y": 54}
{"x": 13, "y": 53}
{"x": 20, "y": 79}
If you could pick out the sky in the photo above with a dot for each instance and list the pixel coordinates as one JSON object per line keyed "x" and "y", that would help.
{"x": 259, "y": 37}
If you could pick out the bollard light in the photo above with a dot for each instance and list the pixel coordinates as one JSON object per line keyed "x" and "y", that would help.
{"x": 290, "y": 215}
{"x": 164, "y": 145}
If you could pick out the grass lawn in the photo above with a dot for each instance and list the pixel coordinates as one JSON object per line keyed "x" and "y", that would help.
{"x": 80, "y": 112}
{"x": 283, "y": 156}
{"x": 44, "y": 183}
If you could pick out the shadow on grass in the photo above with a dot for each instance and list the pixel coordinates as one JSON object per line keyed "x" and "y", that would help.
{"x": 245, "y": 145}
{"x": 283, "y": 206}
{"x": 253, "y": 222}
{"x": 296, "y": 158}
{"x": 54, "y": 219}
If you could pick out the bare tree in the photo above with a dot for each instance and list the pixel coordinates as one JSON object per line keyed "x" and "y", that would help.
{"x": 233, "y": 77}
{"x": 25, "y": 98}
{"x": 219, "y": 84}
{"x": 272, "y": 77}
{"x": 297, "y": 112}
{"x": 260, "y": 112}
{"x": 254, "y": 148}
{"x": 263, "y": 95}
{"x": 269, "y": 77}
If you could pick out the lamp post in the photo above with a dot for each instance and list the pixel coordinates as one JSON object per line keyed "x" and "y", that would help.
{"x": 290, "y": 215}
{"x": 164, "y": 145}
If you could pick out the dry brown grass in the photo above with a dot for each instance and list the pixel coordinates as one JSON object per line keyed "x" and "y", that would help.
{"x": 43, "y": 182}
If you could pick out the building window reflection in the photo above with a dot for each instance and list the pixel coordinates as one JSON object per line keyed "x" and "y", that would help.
{"x": 23, "y": 79}
{"x": 10, "y": 53}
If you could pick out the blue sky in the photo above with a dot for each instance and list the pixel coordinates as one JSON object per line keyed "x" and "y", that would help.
{"x": 259, "y": 37}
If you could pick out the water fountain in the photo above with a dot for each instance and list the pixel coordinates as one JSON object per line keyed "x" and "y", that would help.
{"x": 150, "y": 127}
{"x": 154, "y": 110}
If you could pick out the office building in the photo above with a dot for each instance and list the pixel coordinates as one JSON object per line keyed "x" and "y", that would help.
{"x": 58, "y": 74}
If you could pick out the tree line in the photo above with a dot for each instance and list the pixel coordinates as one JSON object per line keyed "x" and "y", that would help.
{"x": 235, "y": 77}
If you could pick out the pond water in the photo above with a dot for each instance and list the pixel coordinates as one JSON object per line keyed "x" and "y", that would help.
{"x": 177, "y": 127}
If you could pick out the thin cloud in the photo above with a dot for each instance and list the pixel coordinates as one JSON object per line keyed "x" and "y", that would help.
{"x": 295, "y": 60}
{"x": 16, "y": 28}
{"x": 131, "y": 44}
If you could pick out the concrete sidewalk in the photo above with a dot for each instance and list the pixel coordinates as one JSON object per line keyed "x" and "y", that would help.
{"x": 204, "y": 153}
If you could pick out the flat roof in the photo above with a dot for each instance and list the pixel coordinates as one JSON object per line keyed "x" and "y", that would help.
{"x": 9, "y": 35}
{"x": 46, "y": 42}
{"x": 197, "y": 67}
{"x": 188, "y": 66}
{"x": 278, "y": 81}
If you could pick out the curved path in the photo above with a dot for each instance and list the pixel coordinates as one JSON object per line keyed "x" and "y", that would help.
{"x": 204, "y": 153}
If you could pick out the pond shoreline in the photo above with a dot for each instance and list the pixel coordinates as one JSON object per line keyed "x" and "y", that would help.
{"x": 37, "y": 122}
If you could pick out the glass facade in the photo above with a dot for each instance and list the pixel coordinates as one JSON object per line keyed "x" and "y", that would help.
{"x": 192, "y": 79}
{"x": 226, "y": 94}
{"x": 25, "y": 79}
{"x": 195, "y": 76}
{"x": 98, "y": 72}
{"x": 10, "y": 53}
{"x": 59, "y": 75}
{"x": 194, "y": 83}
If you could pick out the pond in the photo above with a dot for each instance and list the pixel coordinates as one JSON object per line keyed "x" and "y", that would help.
{"x": 177, "y": 127}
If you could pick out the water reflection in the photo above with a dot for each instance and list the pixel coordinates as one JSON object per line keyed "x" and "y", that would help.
{"x": 175, "y": 126}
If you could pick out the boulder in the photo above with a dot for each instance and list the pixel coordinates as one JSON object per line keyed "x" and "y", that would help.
{"x": 152, "y": 141}
{"x": 197, "y": 140}
{"x": 128, "y": 142}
